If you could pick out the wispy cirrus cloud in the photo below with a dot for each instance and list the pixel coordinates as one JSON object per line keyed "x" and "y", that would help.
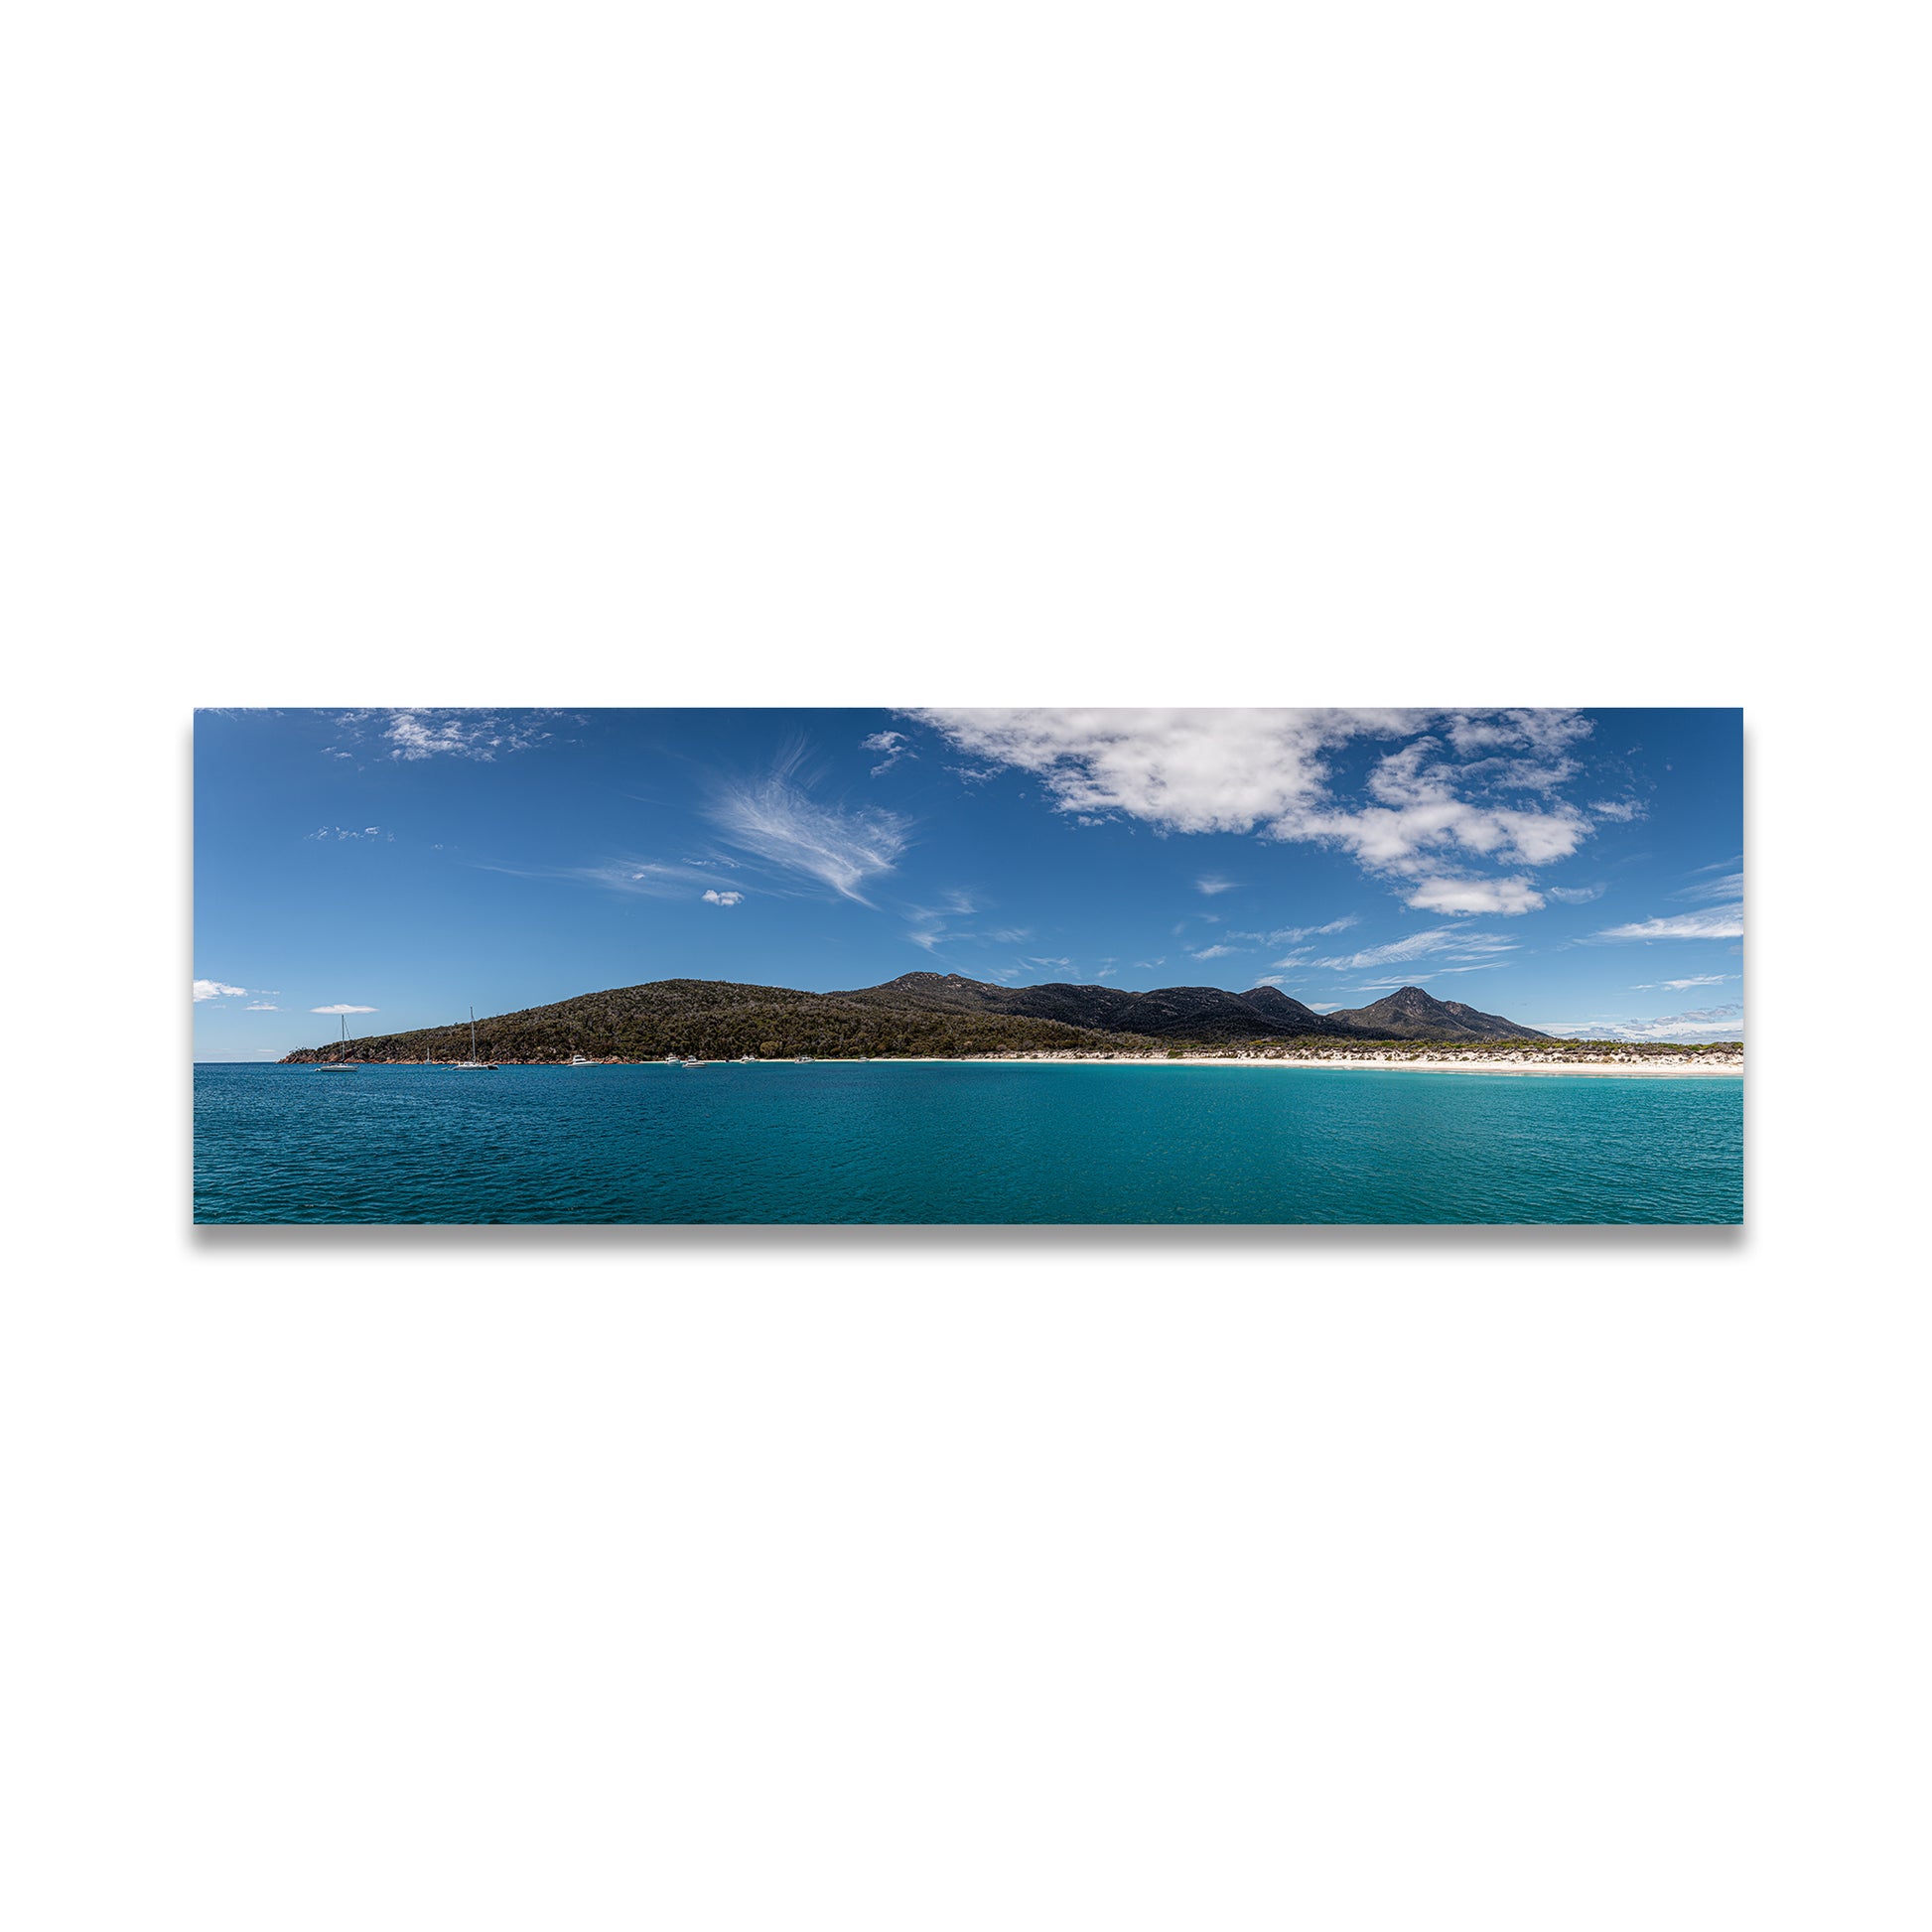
{"x": 1213, "y": 884}
{"x": 260, "y": 1006}
{"x": 1290, "y": 935}
{"x": 1216, "y": 952}
{"x": 345, "y": 1009}
{"x": 639, "y": 878}
{"x": 776, "y": 819}
{"x": 1678, "y": 986}
{"x": 334, "y": 834}
{"x": 1731, "y": 887}
{"x": 1458, "y": 941}
{"x": 1720, "y": 923}
{"x": 1472, "y": 786}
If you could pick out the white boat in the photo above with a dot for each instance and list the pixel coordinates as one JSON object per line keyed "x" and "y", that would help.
{"x": 473, "y": 1065}
{"x": 579, "y": 1059}
{"x": 690, "y": 1063}
{"x": 670, "y": 1059}
{"x": 748, "y": 1059}
{"x": 339, "y": 1064}
{"x": 802, "y": 1059}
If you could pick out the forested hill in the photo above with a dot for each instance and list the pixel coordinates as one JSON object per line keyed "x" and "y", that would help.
{"x": 1199, "y": 1013}
{"x": 935, "y": 1013}
{"x": 719, "y": 1020}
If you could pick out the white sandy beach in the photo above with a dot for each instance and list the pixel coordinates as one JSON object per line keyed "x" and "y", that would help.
{"x": 1657, "y": 1068}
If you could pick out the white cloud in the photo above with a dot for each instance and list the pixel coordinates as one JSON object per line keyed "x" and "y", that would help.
{"x": 777, "y": 822}
{"x": 1456, "y": 939}
{"x": 1619, "y": 810}
{"x": 260, "y": 1006}
{"x": 1574, "y": 895}
{"x": 341, "y": 832}
{"x": 1210, "y": 886}
{"x": 1050, "y": 962}
{"x": 722, "y": 898}
{"x": 343, "y": 1009}
{"x": 1721, "y": 922}
{"x": 1268, "y": 773}
{"x": 640, "y": 878}
{"x": 1678, "y": 986}
{"x": 1506, "y": 896}
{"x": 1216, "y": 952}
{"x": 895, "y": 745}
{"x": 421, "y": 732}
{"x": 215, "y": 990}
{"x": 1732, "y": 886}
{"x": 1292, "y": 934}
{"x": 1706, "y": 1022}
{"x": 1151, "y": 963}
{"x": 1270, "y": 979}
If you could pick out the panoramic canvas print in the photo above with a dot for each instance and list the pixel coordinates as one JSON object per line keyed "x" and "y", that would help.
{"x": 1266, "y": 966}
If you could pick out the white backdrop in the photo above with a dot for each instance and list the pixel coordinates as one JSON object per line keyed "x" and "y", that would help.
{"x": 900, "y": 1579}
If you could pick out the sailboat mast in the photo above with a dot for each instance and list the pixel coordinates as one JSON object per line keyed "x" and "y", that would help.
{"x": 473, "y": 1032}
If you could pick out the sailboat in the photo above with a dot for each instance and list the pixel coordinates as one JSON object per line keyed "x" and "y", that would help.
{"x": 473, "y": 1065}
{"x": 341, "y": 1065}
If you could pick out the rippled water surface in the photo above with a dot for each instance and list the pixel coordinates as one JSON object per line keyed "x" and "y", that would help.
{"x": 909, "y": 1142}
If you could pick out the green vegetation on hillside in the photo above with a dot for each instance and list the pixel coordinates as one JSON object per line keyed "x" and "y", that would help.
{"x": 714, "y": 1020}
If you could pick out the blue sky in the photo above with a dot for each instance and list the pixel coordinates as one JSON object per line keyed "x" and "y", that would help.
{"x": 1577, "y": 871}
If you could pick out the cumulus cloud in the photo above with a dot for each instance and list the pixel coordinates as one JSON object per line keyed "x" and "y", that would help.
{"x": 895, "y": 745}
{"x": 779, "y": 822}
{"x": 1507, "y": 896}
{"x": 722, "y": 898}
{"x": 1470, "y": 785}
{"x": 343, "y": 1009}
{"x": 215, "y": 990}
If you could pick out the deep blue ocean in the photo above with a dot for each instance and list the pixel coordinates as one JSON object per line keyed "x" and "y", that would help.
{"x": 879, "y": 1142}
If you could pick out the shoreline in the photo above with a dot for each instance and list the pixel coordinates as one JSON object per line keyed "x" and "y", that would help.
{"x": 1657, "y": 1068}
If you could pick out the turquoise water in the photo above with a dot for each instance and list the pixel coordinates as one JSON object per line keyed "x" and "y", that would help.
{"x": 876, "y": 1140}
